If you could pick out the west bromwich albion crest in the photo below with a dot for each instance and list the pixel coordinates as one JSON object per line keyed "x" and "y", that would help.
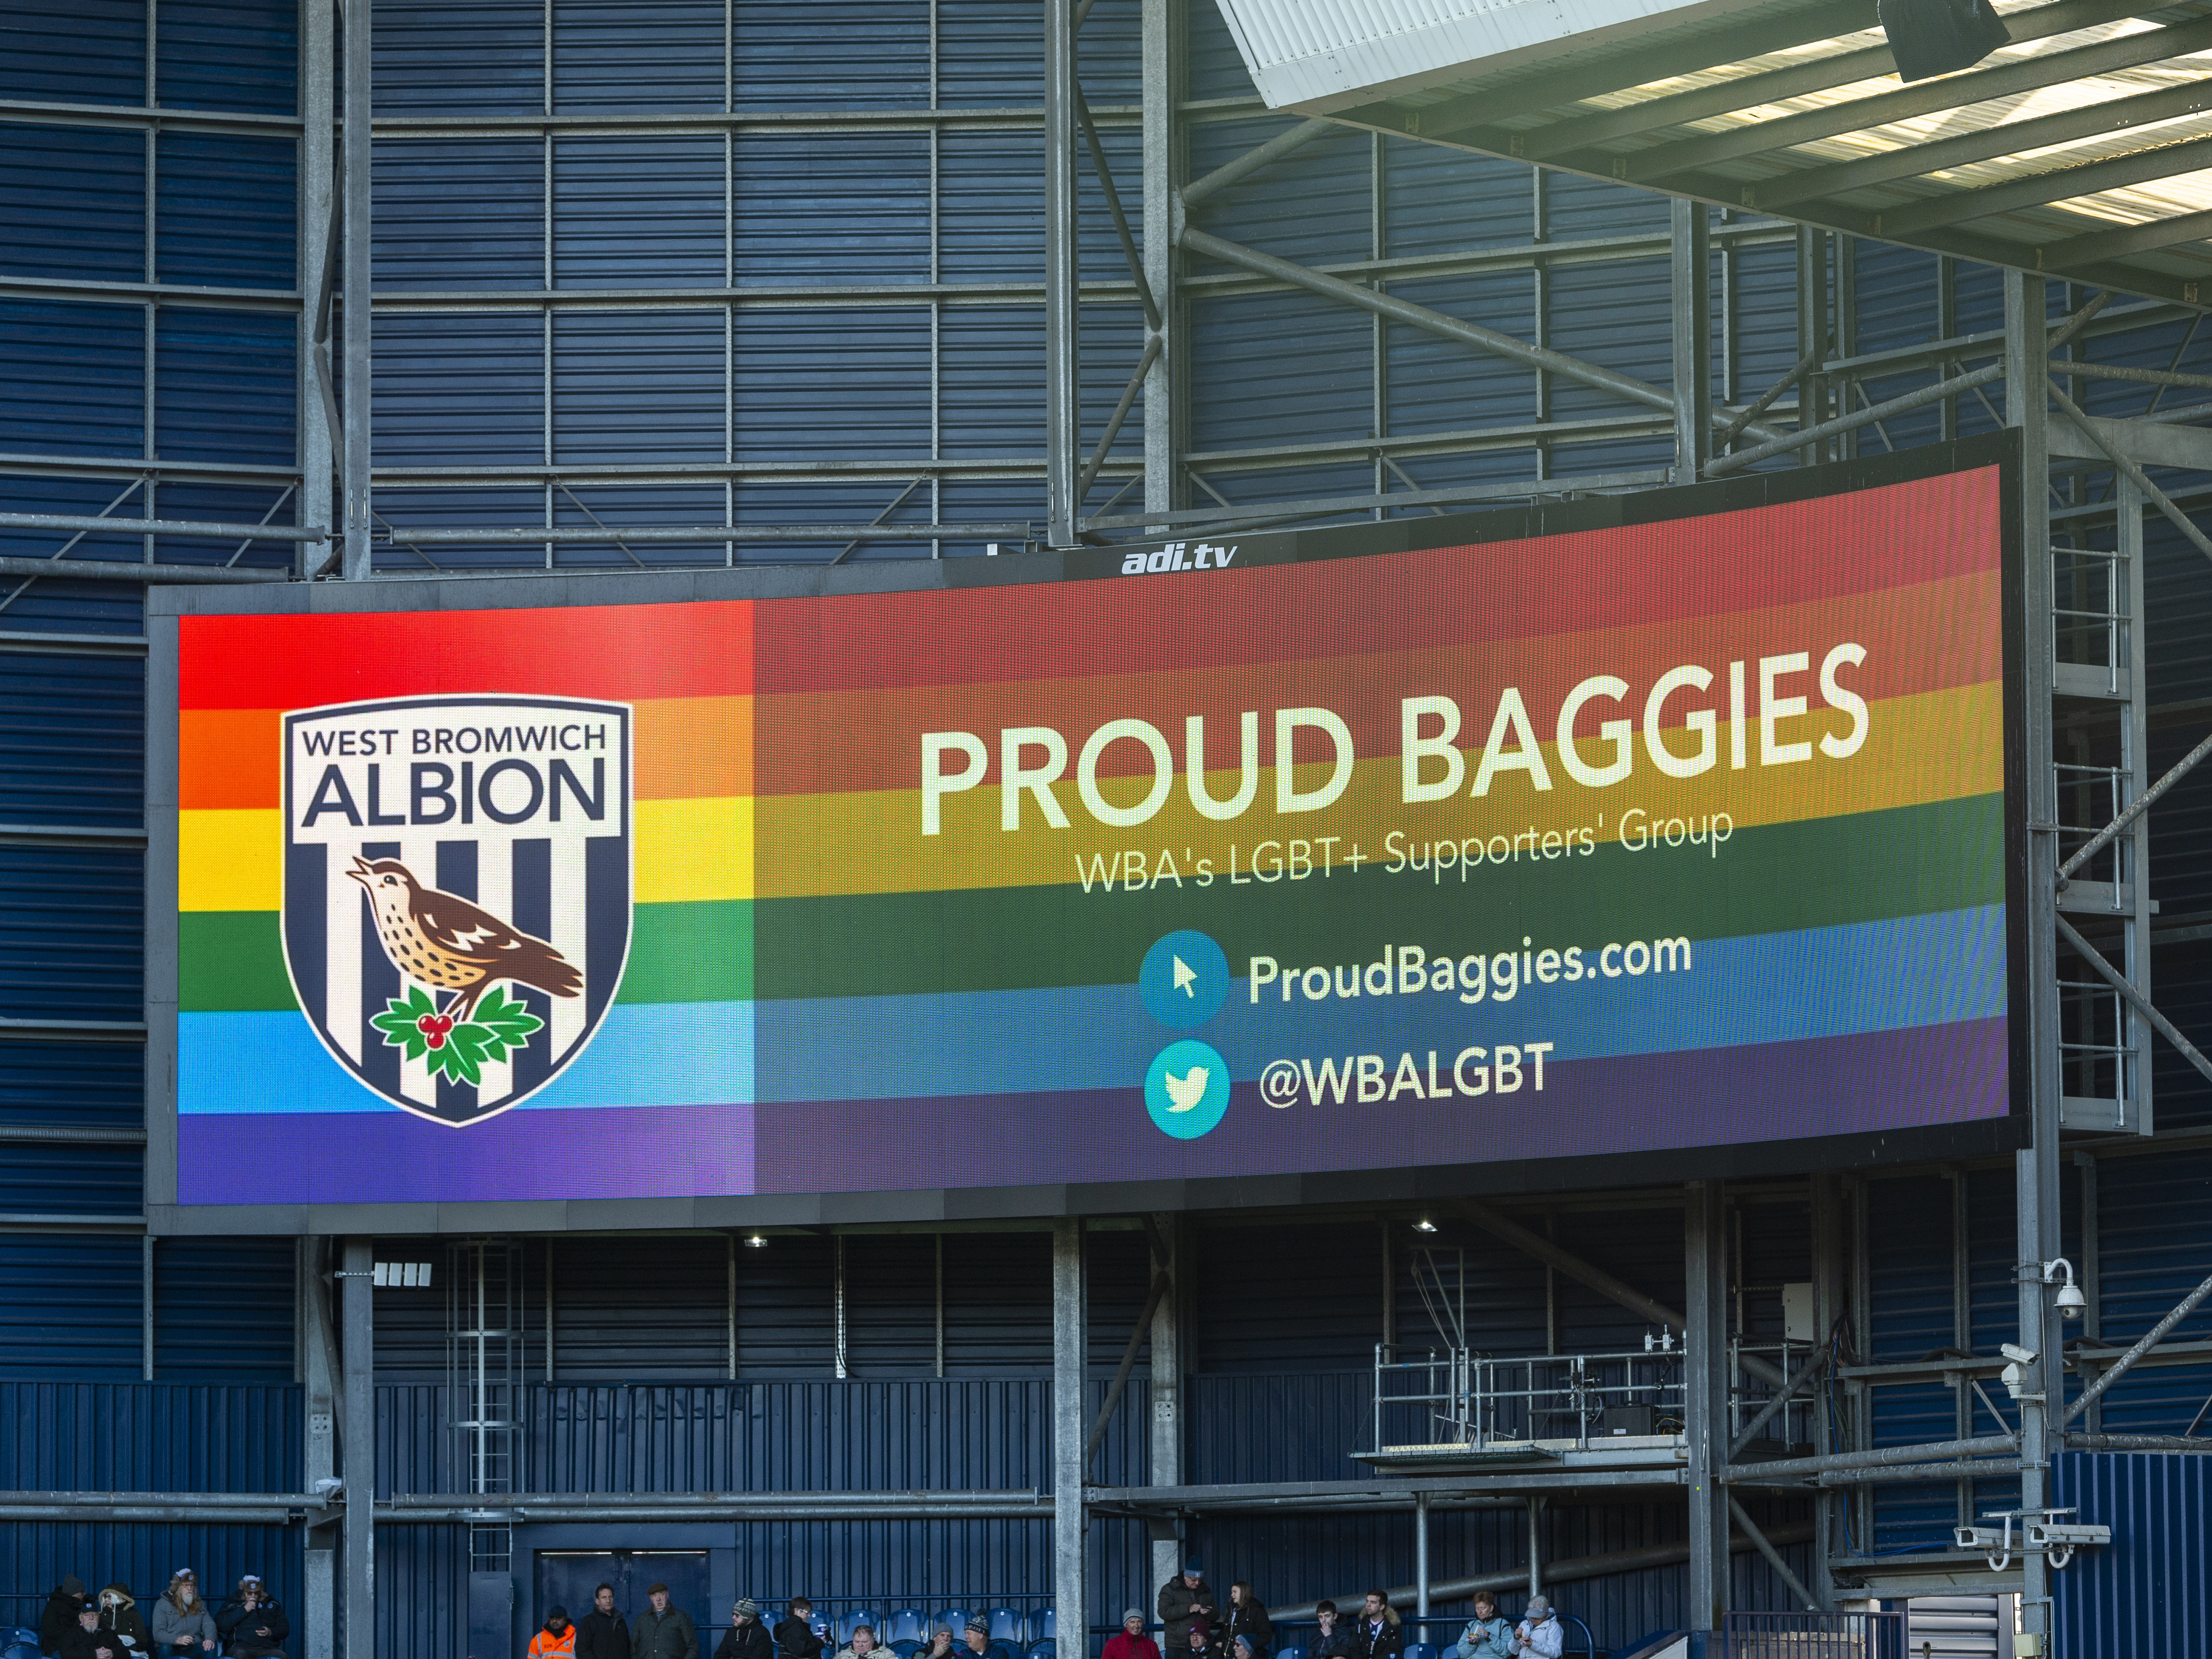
{"x": 456, "y": 889}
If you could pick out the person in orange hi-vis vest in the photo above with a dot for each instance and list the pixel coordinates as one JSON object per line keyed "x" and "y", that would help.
{"x": 557, "y": 1640}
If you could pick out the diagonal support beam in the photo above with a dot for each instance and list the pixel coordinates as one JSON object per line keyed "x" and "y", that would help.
{"x": 1137, "y": 1337}
{"x": 1089, "y": 476}
{"x": 1253, "y": 159}
{"x": 1804, "y": 365}
{"x": 1436, "y": 322}
{"x": 1806, "y": 1373}
{"x": 2151, "y": 1338}
{"x": 1759, "y": 1542}
{"x": 2142, "y": 804}
{"x": 1105, "y": 177}
{"x": 2137, "y": 1000}
{"x": 2136, "y": 475}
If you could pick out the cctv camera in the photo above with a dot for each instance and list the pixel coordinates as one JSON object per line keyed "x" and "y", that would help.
{"x": 2072, "y": 1304}
{"x": 2017, "y": 1354}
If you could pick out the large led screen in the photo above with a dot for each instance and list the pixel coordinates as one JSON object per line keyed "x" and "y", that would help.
{"x": 1674, "y": 835}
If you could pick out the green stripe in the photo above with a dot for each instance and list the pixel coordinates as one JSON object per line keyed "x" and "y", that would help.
{"x": 1864, "y": 867}
{"x": 233, "y": 960}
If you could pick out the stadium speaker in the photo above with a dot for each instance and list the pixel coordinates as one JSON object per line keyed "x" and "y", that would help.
{"x": 1934, "y": 37}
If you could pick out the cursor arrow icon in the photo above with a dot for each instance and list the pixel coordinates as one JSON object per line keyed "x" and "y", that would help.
{"x": 1185, "y": 979}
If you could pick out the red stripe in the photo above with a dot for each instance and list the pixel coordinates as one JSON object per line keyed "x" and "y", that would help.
{"x": 623, "y": 653}
{"x": 1754, "y": 559}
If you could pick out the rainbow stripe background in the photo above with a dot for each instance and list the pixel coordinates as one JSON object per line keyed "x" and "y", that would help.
{"x": 819, "y": 998}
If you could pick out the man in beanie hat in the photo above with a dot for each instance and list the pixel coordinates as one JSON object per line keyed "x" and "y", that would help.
{"x": 1130, "y": 1642}
{"x": 979, "y": 1636}
{"x": 663, "y": 1632}
{"x": 601, "y": 1633}
{"x": 60, "y": 1617}
{"x": 746, "y": 1637}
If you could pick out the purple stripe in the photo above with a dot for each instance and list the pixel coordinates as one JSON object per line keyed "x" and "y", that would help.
{"x": 394, "y": 1158}
{"x": 1714, "y": 1097}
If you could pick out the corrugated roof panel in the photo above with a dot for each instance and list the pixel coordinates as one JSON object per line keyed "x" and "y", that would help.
{"x": 460, "y": 214}
{"x": 224, "y": 207}
{"x": 457, "y": 390}
{"x": 72, "y": 378}
{"x": 70, "y": 1307}
{"x": 225, "y": 385}
{"x": 835, "y": 54}
{"x": 74, "y": 51}
{"x": 72, "y": 202}
{"x": 827, "y": 383}
{"x": 94, "y": 1084}
{"x": 71, "y": 739}
{"x": 229, "y": 54}
{"x": 637, "y": 212}
{"x": 438, "y": 57}
{"x": 630, "y": 54}
{"x": 832, "y": 208}
{"x": 638, "y": 385}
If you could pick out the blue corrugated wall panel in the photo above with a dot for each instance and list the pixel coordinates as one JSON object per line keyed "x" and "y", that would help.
{"x": 37, "y": 1556}
{"x": 70, "y": 1307}
{"x": 229, "y": 55}
{"x": 639, "y": 212}
{"x": 2147, "y": 1592}
{"x": 222, "y": 1312}
{"x": 72, "y": 378}
{"x": 72, "y": 202}
{"x": 71, "y": 739}
{"x": 224, "y": 208}
{"x": 836, "y": 54}
{"x": 74, "y": 51}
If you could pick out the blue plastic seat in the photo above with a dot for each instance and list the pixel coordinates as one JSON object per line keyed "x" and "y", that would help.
{"x": 849, "y": 1622}
{"x": 905, "y": 1625}
{"x": 1290, "y": 1653}
{"x": 1044, "y": 1626}
{"x": 1006, "y": 1626}
{"x": 1044, "y": 1648}
{"x": 1419, "y": 1650}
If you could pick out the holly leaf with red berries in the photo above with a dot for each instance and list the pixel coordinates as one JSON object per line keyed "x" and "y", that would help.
{"x": 406, "y": 1022}
{"x": 460, "y": 1049}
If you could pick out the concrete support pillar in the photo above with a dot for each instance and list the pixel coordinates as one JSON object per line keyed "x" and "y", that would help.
{"x": 1705, "y": 1378}
{"x": 1062, "y": 315}
{"x": 1069, "y": 1423}
{"x": 1163, "y": 27}
{"x": 359, "y": 1322}
{"x": 319, "y": 1598}
{"x": 1166, "y": 1390}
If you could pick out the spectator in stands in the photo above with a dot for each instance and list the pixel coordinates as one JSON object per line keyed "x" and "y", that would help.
{"x": 979, "y": 1636}
{"x": 1331, "y": 1640}
{"x": 746, "y": 1637}
{"x": 1183, "y": 1602}
{"x": 85, "y": 1639}
{"x": 662, "y": 1631}
{"x": 181, "y": 1618}
{"x": 862, "y": 1644}
{"x": 251, "y": 1624}
{"x": 557, "y": 1638}
{"x": 60, "y": 1617}
{"x": 1248, "y": 1616}
{"x": 1241, "y": 1647}
{"x": 118, "y": 1611}
{"x": 1488, "y": 1635}
{"x": 1539, "y": 1635}
{"x": 1198, "y": 1642}
{"x": 1377, "y": 1635}
{"x": 603, "y": 1634}
{"x": 1130, "y": 1642}
{"x": 794, "y": 1637}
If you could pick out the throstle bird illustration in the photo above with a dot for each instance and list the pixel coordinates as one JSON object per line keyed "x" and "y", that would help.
{"x": 450, "y": 943}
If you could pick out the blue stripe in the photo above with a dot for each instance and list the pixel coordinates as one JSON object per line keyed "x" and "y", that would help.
{"x": 1833, "y": 982}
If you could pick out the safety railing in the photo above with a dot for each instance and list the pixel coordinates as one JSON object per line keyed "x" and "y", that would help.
{"x": 1812, "y": 1636}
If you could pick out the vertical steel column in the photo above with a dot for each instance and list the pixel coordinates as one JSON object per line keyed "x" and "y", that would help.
{"x": 1163, "y": 25}
{"x": 2131, "y": 659}
{"x": 1166, "y": 1390}
{"x": 1811, "y": 330}
{"x": 318, "y": 202}
{"x": 1963, "y": 1401}
{"x": 318, "y": 1618}
{"x": 359, "y": 52}
{"x": 1068, "y": 1427}
{"x": 1062, "y": 314}
{"x": 1705, "y": 1404}
{"x": 358, "y": 1311}
{"x": 1693, "y": 337}
{"x": 1421, "y": 1563}
{"x": 1828, "y": 1309}
{"x": 2026, "y": 361}
{"x": 146, "y": 1306}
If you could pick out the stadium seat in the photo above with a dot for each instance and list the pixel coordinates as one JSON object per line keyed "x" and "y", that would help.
{"x": 849, "y": 1622}
{"x": 957, "y": 1618}
{"x": 1044, "y": 1648}
{"x": 1044, "y": 1626}
{"x": 1006, "y": 1626}
{"x": 1290, "y": 1653}
{"x": 1419, "y": 1650}
{"x": 905, "y": 1625}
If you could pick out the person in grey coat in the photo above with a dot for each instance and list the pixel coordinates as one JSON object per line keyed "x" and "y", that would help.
{"x": 662, "y": 1631}
{"x": 1488, "y": 1635}
{"x": 181, "y": 1622}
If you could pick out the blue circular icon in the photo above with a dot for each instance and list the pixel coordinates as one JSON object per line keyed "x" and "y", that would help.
{"x": 1187, "y": 1089}
{"x": 1184, "y": 978}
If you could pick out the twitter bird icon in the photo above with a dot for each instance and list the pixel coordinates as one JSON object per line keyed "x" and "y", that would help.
{"x": 1187, "y": 1089}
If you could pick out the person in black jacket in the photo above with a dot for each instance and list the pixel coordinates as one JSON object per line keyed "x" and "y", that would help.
{"x": 601, "y": 1633}
{"x": 746, "y": 1637}
{"x": 1377, "y": 1635}
{"x": 1332, "y": 1640}
{"x": 794, "y": 1637}
{"x": 1248, "y": 1617}
{"x": 251, "y": 1623}
{"x": 85, "y": 1639}
{"x": 60, "y": 1617}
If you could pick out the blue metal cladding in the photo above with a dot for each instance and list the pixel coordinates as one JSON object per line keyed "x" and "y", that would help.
{"x": 72, "y": 1180}
{"x": 224, "y": 385}
{"x": 1314, "y": 210}
{"x": 72, "y": 378}
{"x": 833, "y": 54}
{"x": 1436, "y": 201}
{"x": 1246, "y": 392}
{"x": 94, "y": 1085}
{"x": 224, "y": 210}
{"x": 35, "y": 1556}
{"x": 71, "y": 1309}
{"x": 991, "y": 53}
{"x": 451, "y": 390}
{"x": 623, "y": 54}
{"x": 1436, "y": 385}
{"x": 838, "y": 209}
{"x": 637, "y": 504}
{"x": 2156, "y": 1216}
{"x": 484, "y": 56}
{"x": 222, "y": 1312}
{"x": 638, "y": 212}
{"x": 226, "y": 504}
{"x": 642, "y": 386}
{"x": 151, "y": 1436}
{"x": 74, "y": 51}
{"x": 229, "y": 55}
{"x": 70, "y": 921}
{"x": 71, "y": 739}
{"x": 2147, "y": 1591}
{"x": 830, "y": 383}
{"x": 460, "y": 214}
{"x": 72, "y": 201}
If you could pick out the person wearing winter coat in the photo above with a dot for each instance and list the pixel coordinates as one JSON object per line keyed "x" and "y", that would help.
{"x": 182, "y": 1624}
{"x": 1248, "y": 1617}
{"x": 1378, "y": 1635}
{"x": 556, "y": 1637}
{"x": 663, "y": 1632}
{"x": 87, "y": 1639}
{"x": 1332, "y": 1638}
{"x": 602, "y": 1634}
{"x": 1488, "y": 1635}
{"x": 746, "y": 1637}
{"x": 118, "y": 1611}
{"x": 60, "y": 1617}
{"x": 794, "y": 1637}
{"x": 1539, "y": 1634}
{"x": 1184, "y": 1601}
{"x": 1130, "y": 1642}
{"x": 251, "y": 1624}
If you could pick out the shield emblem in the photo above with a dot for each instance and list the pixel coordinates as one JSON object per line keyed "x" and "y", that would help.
{"x": 456, "y": 889}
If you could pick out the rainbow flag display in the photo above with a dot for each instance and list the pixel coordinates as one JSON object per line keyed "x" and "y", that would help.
{"x": 1676, "y": 834}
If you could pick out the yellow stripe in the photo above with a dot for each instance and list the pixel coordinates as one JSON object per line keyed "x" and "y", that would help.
{"x": 1940, "y": 745}
{"x": 686, "y": 851}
